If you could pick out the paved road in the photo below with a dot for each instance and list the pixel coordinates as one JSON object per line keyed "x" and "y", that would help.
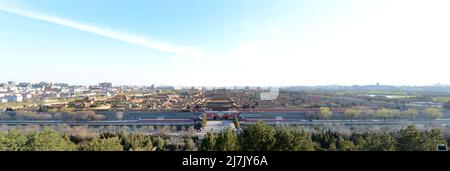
{"x": 347, "y": 122}
{"x": 218, "y": 125}
{"x": 97, "y": 123}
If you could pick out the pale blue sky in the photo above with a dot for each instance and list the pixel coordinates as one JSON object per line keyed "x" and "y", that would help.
{"x": 225, "y": 42}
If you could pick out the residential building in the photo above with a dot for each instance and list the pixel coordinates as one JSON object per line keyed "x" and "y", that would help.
{"x": 15, "y": 98}
{"x": 105, "y": 86}
{"x": 11, "y": 84}
{"x": 27, "y": 95}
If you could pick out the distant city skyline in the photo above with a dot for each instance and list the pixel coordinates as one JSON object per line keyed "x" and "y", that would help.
{"x": 218, "y": 86}
{"x": 226, "y": 42}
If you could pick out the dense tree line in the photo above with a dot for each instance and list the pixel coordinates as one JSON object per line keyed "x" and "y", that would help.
{"x": 46, "y": 140}
{"x": 258, "y": 137}
{"x": 324, "y": 113}
{"x": 383, "y": 113}
{"x": 262, "y": 137}
{"x": 50, "y": 140}
{"x": 65, "y": 116}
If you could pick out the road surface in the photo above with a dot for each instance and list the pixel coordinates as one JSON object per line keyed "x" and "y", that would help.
{"x": 220, "y": 124}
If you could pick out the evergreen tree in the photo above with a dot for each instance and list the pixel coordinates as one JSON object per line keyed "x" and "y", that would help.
{"x": 288, "y": 139}
{"x": 13, "y": 141}
{"x": 410, "y": 139}
{"x": 258, "y": 137}
{"x": 209, "y": 143}
{"x": 227, "y": 140}
{"x": 48, "y": 140}
{"x": 107, "y": 144}
{"x": 189, "y": 144}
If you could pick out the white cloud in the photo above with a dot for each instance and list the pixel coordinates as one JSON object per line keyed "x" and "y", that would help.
{"x": 106, "y": 32}
{"x": 401, "y": 43}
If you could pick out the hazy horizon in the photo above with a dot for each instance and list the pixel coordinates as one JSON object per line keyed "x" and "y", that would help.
{"x": 226, "y": 42}
{"x": 158, "y": 84}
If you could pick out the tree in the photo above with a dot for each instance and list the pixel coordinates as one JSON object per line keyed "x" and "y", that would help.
{"x": 396, "y": 114}
{"x": 325, "y": 113}
{"x": 204, "y": 120}
{"x": 160, "y": 144}
{"x": 236, "y": 122}
{"x": 288, "y": 139}
{"x": 383, "y": 113}
{"x": 410, "y": 139}
{"x": 410, "y": 113}
{"x": 352, "y": 113}
{"x": 345, "y": 145}
{"x": 433, "y": 113}
{"x": 135, "y": 142}
{"x": 382, "y": 141}
{"x": 433, "y": 138}
{"x": 209, "y": 143}
{"x": 227, "y": 140}
{"x": 12, "y": 141}
{"x": 258, "y": 137}
{"x": 326, "y": 140}
{"x": 85, "y": 116}
{"x": 368, "y": 114}
{"x": 189, "y": 144}
{"x": 332, "y": 147}
{"x": 119, "y": 115}
{"x": 107, "y": 144}
{"x": 48, "y": 140}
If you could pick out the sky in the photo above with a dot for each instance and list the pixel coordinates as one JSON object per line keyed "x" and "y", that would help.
{"x": 226, "y": 42}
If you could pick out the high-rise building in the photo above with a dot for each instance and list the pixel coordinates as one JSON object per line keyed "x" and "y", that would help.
{"x": 447, "y": 105}
{"x": 24, "y": 84}
{"x": 105, "y": 85}
{"x": 11, "y": 83}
